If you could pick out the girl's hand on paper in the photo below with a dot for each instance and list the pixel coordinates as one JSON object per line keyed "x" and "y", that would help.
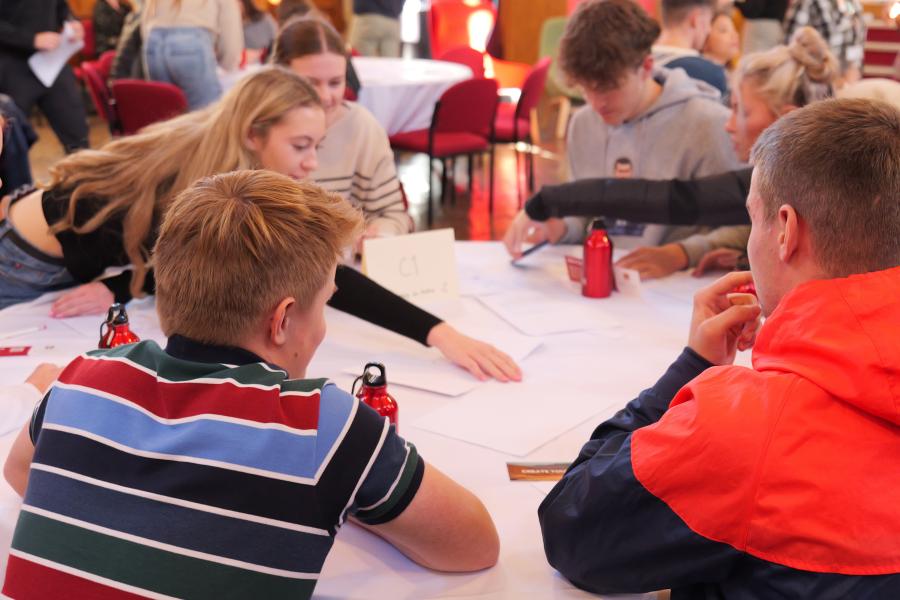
{"x": 478, "y": 358}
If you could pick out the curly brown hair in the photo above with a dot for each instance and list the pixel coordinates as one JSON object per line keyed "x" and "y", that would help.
{"x": 603, "y": 40}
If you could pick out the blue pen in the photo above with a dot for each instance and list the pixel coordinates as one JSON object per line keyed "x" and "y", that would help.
{"x": 534, "y": 248}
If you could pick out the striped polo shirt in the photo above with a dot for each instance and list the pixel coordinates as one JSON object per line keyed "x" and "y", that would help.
{"x": 197, "y": 472}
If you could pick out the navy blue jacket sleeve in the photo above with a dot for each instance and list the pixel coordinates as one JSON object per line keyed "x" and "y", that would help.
{"x": 605, "y": 532}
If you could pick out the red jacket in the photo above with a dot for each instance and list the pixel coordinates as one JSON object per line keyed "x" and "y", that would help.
{"x": 781, "y": 480}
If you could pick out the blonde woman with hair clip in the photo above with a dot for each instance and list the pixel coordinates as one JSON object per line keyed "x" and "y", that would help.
{"x": 765, "y": 86}
{"x": 102, "y": 209}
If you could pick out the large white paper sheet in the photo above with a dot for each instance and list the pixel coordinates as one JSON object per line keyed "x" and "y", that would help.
{"x": 47, "y": 64}
{"x": 543, "y": 313}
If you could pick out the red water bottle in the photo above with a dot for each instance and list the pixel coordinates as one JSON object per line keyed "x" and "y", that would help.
{"x": 374, "y": 392}
{"x": 597, "y": 274}
{"x": 118, "y": 332}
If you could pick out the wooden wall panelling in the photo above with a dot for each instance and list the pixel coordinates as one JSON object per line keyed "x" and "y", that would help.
{"x": 521, "y": 21}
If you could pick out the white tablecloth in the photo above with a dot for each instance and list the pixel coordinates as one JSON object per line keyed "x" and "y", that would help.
{"x": 401, "y": 93}
{"x": 614, "y": 365}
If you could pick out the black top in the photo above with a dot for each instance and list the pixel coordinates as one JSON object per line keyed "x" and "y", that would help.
{"x": 21, "y": 20}
{"x": 385, "y": 8}
{"x": 88, "y": 255}
{"x": 714, "y": 201}
{"x": 763, "y": 9}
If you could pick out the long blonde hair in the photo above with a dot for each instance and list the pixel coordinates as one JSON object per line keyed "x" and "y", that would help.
{"x": 797, "y": 74}
{"x": 140, "y": 174}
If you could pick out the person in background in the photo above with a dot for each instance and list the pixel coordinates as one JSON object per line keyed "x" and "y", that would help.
{"x": 685, "y": 27}
{"x": 725, "y": 481}
{"x": 109, "y": 19}
{"x": 15, "y": 168}
{"x": 242, "y": 493}
{"x": 840, "y": 23}
{"x": 375, "y": 29}
{"x": 723, "y": 46}
{"x": 186, "y": 40}
{"x": 260, "y": 30}
{"x": 665, "y": 123}
{"x": 355, "y": 158}
{"x": 102, "y": 209}
{"x": 129, "y": 61}
{"x": 763, "y": 24}
{"x": 29, "y": 26}
{"x": 770, "y": 85}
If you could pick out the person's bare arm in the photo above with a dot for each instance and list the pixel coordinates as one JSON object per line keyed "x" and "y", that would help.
{"x": 18, "y": 463}
{"x": 445, "y": 527}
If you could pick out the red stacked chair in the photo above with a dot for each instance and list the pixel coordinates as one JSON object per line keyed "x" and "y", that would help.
{"x": 462, "y": 124}
{"x": 513, "y": 122}
{"x": 469, "y": 57}
{"x": 140, "y": 103}
{"x": 95, "y": 74}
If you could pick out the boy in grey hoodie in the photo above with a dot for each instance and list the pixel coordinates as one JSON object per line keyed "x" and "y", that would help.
{"x": 665, "y": 124}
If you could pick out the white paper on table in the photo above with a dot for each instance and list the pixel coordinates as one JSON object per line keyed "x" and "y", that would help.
{"x": 435, "y": 373}
{"x": 538, "y": 313}
{"x": 517, "y": 418}
{"x": 420, "y": 267}
{"x": 47, "y": 64}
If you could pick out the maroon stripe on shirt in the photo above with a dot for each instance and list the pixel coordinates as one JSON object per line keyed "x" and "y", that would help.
{"x": 188, "y": 399}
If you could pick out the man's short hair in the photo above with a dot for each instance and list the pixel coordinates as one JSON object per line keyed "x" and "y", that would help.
{"x": 837, "y": 163}
{"x": 603, "y": 40}
{"x": 232, "y": 246}
{"x": 676, "y": 11}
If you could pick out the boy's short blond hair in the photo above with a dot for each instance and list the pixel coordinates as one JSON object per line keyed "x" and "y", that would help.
{"x": 234, "y": 245}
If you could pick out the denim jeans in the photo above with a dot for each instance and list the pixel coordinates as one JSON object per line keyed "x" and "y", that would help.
{"x": 184, "y": 56}
{"x": 25, "y": 271}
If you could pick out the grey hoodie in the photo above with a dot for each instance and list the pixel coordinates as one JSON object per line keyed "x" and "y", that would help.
{"x": 681, "y": 136}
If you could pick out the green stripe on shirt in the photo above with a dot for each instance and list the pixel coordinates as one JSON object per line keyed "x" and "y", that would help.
{"x": 138, "y": 565}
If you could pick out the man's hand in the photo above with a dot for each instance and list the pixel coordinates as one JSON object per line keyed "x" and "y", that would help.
{"x": 718, "y": 328}
{"x": 719, "y": 259}
{"x": 88, "y": 299}
{"x": 44, "y": 376}
{"x": 47, "y": 40}
{"x": 656, "y": 262}
{"x": 523, "y": 229}
{"x": 478, "y": 358}
{"x": 76, "y": 29}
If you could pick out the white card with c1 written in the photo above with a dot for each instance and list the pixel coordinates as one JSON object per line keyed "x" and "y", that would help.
{"x": 420, "y": 267}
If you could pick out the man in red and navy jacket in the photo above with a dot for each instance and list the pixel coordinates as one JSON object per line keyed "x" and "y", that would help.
{"x": 780, "y": 481}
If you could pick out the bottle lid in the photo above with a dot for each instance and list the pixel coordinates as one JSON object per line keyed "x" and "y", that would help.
{"x": 374, "y": 375}
{"x": 121, "y": 317}
{"x": 598, "y": 224}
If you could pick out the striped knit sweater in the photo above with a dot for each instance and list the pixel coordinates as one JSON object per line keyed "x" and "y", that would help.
{"x": 356, "y": 161}
{"x": 197, "y": 472}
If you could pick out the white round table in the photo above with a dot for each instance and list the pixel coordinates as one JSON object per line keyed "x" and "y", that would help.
{"x": 586, "y": 376}
{"x": 401, "y": 93}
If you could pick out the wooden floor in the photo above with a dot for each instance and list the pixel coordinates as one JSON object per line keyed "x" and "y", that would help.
{"x": 469, "y": 217}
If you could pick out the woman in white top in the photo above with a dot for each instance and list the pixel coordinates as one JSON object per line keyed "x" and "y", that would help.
{"x": 185, "y": 40}
{"x": 355, "y": 158}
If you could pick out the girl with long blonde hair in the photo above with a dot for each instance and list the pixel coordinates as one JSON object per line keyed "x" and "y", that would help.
{"x": 102, "y": 209}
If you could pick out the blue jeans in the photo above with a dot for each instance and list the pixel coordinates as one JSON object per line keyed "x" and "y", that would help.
{"x": 25, "y": 271}
{"x": 184, "y": 56}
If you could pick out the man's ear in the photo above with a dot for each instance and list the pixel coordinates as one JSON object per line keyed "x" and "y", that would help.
{"x": 788, "y": 233}
{"x": 647, "y": 66}
{"x": 280, "y": 321}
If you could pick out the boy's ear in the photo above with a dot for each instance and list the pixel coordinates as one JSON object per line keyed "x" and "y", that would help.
{"x": 280, "y": 321}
